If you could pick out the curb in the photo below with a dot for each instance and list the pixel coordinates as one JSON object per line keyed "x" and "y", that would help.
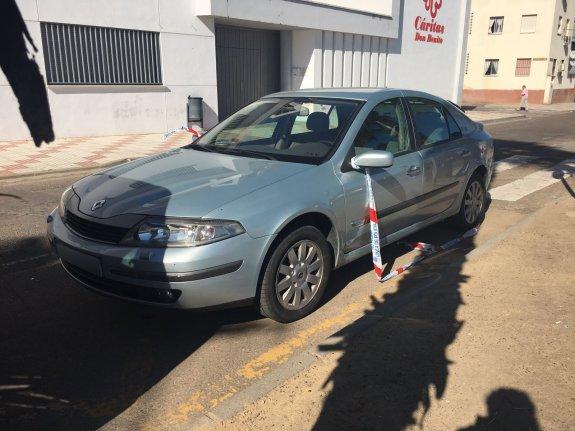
{"x": 503, "y": 120}
{"x": 311, "y": 355}
{"x": 63, "y": 171}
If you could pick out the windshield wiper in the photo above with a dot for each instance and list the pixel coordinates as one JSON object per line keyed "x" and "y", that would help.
{"x": 242, "y": 152}
{"x": 231, "y": 151}
{"x": 199, "y": 148}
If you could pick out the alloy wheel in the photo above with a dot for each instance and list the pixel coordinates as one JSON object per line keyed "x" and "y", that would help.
{"x": 299, "y": 275}
{"x": 474, "y": 201}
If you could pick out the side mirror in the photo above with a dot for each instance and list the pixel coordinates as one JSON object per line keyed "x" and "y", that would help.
{"x": 373, "y": 159}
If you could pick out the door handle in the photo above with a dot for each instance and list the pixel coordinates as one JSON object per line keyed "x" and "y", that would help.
{"x": 413, "y": 171}
{"x": 464, "y": 153}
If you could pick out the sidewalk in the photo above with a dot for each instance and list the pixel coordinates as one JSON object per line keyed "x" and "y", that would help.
{"x": 555, "y": 107}
{"x": 23, "y": 158}
{"x": 492, "y": 116}
{"x": 489, "y": 346}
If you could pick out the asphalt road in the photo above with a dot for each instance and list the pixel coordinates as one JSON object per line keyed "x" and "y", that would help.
{"x": 71, "y": 359}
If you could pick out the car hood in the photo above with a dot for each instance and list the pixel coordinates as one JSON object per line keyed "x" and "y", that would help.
{"x": 179, "y": 183}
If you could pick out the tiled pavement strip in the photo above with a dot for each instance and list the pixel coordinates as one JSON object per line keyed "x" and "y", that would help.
{"x": 23, "y": 158}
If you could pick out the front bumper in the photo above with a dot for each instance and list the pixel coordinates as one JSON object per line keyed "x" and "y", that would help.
{"x": 212, "y": 275}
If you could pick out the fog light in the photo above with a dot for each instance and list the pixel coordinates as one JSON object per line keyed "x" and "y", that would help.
{"x": 166, "y": 295}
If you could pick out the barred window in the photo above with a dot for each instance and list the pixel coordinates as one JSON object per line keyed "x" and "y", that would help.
{"x": 78, "y": 54}
{"x": 523, "y": 67}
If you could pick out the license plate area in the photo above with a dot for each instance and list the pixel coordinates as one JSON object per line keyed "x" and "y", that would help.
{"x": 81, "y": 260}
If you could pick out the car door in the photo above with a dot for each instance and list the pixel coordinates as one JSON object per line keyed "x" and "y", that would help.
{"x": 397, "y": 188}
{"x": 444, "y": 154}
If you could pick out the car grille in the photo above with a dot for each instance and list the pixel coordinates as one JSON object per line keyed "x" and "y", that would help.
{"x": 141, "y": 293}
{"x": 94, "y": 230}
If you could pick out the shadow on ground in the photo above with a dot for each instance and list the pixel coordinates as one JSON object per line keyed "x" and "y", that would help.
{"x": 387, "y": 377}
{"x": 74, "y": 360}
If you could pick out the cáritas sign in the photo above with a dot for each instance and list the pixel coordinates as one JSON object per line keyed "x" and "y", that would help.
{"x": 427, "y": 29}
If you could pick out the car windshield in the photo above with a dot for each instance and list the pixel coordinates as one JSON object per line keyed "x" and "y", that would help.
{"x": 302, "y": 130}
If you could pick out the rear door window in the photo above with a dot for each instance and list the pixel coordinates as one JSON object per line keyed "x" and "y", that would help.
{"x": 430, "y": 121}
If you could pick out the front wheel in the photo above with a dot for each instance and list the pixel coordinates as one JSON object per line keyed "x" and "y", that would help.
{"x": 296, "y": 275}
{"x": 472, "y": 208}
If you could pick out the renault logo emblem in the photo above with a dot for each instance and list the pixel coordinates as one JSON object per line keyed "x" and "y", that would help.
{"x": 98, "y": 204}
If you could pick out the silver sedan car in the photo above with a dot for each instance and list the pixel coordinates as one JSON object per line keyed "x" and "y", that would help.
{"x": 266, "y": 204}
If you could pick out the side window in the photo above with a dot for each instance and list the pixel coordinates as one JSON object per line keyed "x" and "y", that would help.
{"x": 430, "y": 122}
{"x": 454, "y": 130}
{"x": 384, "y": 129}
{"x": 466, "y": 124}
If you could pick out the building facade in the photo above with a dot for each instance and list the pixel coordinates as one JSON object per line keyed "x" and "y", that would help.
{"x": 128, "y": 66}
{"x": 520, "y": 42}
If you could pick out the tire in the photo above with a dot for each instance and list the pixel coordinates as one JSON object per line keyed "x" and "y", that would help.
{"x": 291, "y": 287}
{"x": 473, "y": 204}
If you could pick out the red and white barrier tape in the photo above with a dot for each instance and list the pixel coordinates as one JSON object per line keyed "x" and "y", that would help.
{"x": 426, "y": 249}
{"x": 374, "y": 227}
{"x": 429, "y": 250}
{"x": 196, "y": 132}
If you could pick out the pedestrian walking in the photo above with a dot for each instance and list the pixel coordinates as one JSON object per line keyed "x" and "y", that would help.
{"x": 524, "y": 96}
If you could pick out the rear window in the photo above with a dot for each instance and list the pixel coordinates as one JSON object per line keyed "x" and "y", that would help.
{"x": 466, "y": 124}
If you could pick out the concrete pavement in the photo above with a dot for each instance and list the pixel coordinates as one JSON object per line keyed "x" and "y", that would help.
{"x": 488, "y": 340}
{"x": 74, "y": 360}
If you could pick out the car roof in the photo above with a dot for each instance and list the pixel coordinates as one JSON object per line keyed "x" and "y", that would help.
{"x": 358, "y": 93}
{"x": 345, "y": 93}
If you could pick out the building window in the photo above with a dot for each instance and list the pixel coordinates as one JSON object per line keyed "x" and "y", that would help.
{"x": 528, "y": 23}
{"x": 467, "y": 64}
{"x": 491, "y": 67}
{"x": 77, "y": 54}
{"x": 496, "y": 25}
{"x": 523, "y": 67}
{"x": 560, "y": 26}
{"x": 470, "y": 22}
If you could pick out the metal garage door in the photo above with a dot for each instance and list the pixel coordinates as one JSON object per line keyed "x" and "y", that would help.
{"x": 248, "y": 66}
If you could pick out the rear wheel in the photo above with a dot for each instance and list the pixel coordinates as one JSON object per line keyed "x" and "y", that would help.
{"x": 472, "y": 208}
{"x": 296, "y": 275}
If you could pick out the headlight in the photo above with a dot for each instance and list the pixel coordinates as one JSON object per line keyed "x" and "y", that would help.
{"x": 64, "y": 201}
{"x": 181, "y": 233}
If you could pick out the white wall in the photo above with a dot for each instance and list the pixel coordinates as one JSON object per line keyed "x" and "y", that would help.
{"x": 337, "y": 59}
{"x": 187, "y": 46}
{"x": 333, "y": 59}
{"x": 306, "y": 14}
{"x": 321, "y": 47}
{"x": 436, "y": 68}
